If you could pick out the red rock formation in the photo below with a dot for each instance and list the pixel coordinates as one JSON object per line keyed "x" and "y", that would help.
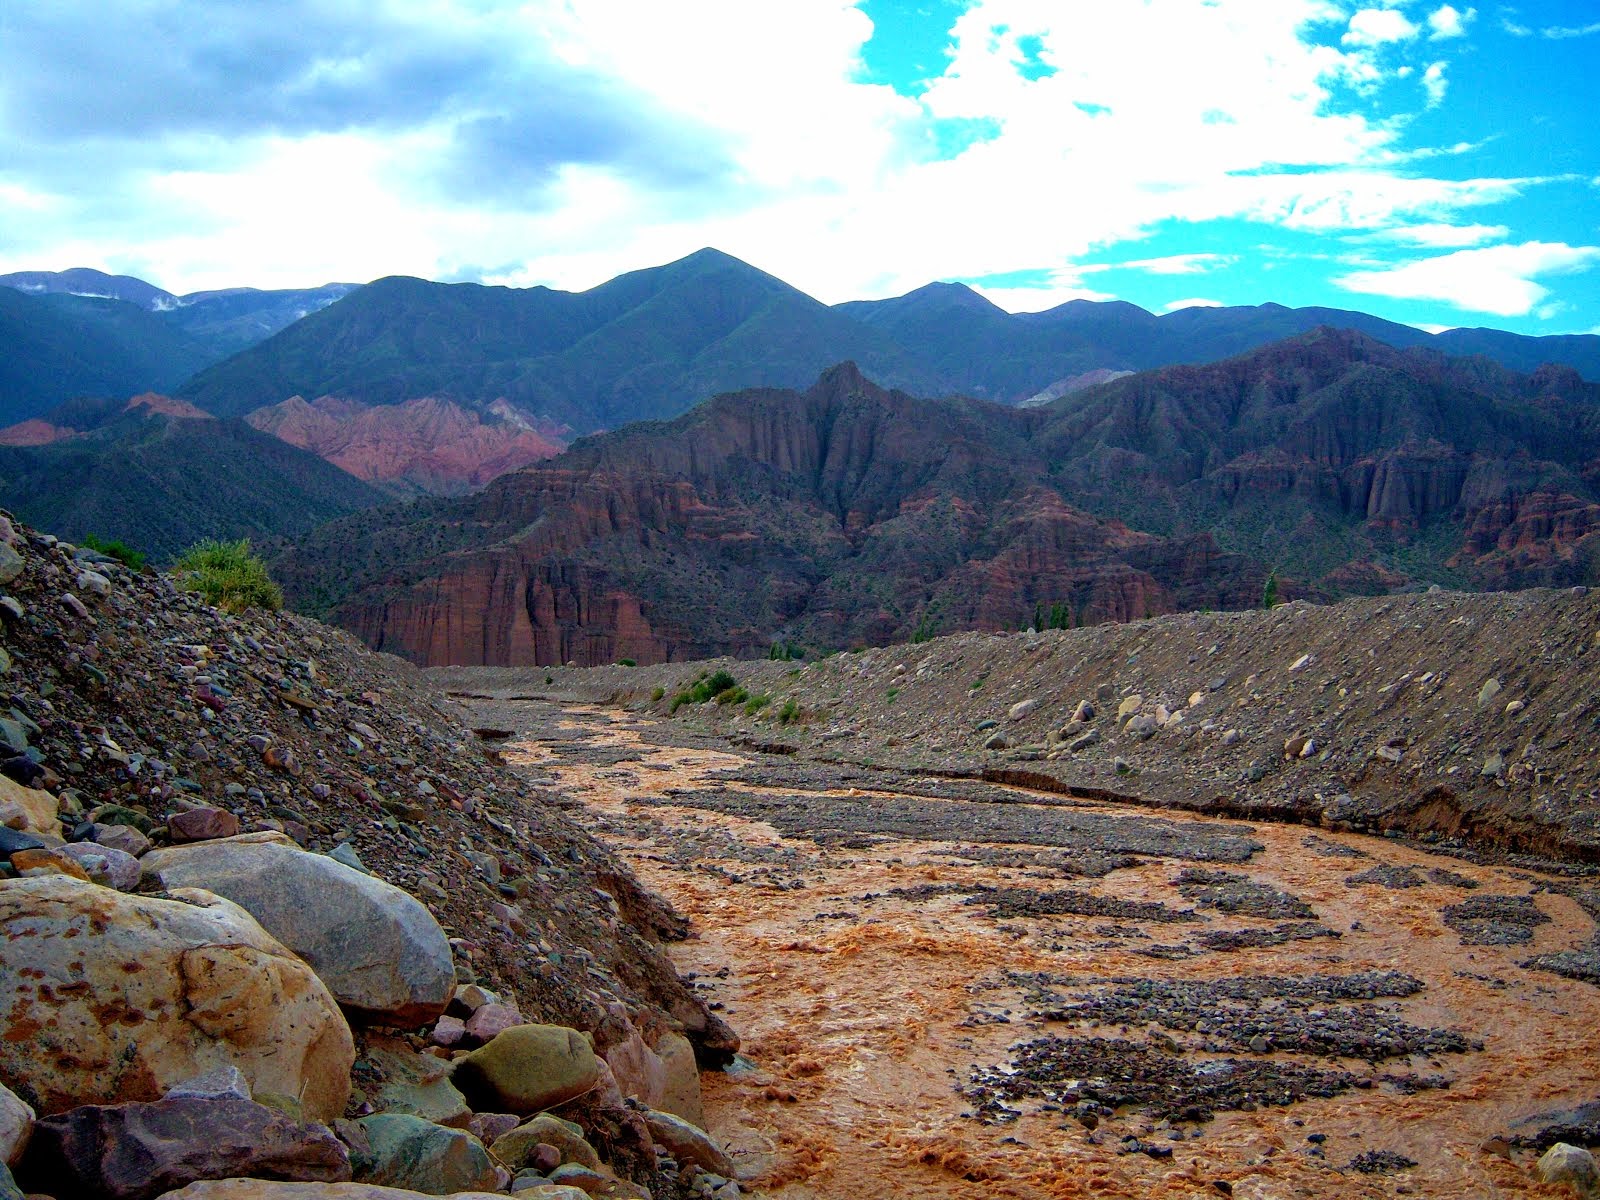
{"x": 1542, "y": 537}
{"x": 427, "y": 444}
{"x": 37, "y": 432}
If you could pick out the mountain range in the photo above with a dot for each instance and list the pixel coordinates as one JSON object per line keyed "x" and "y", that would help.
{"x": 80, "y": 332}
{"x": 852, "y": 514}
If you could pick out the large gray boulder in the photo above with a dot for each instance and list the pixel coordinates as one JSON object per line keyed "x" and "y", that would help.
{"x": 377, "y": 948}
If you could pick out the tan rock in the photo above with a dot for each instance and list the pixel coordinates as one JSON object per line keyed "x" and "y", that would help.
{"x": 516, "y": 1148}
{"x": 117, "y": 997}
{"x": 681, "y": 1094}
{"x": 528, "y": 1068}
{"x": 28, "y": 809}
{"x": 1130, "y": 706}
{"x": 688, "y": 1143}
{"x": 46, "y": 862}
{"x": 16, "y": 1124}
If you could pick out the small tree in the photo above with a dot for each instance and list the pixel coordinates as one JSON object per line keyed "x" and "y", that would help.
{"x": 1269, "y": 594}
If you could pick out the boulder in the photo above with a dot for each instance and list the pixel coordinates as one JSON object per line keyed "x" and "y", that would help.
{"x": 126, "y": 838}
{"x": 139, "y": 1151}
{"x": 528, "y": 1068}
{"x": 417, "y": 1085}
{"x": 378, "y": 949}
{"x": 28, "y": 809}
{"x": 1565, "y": 1163}
{"x": 517, "y": 1148}
{"x": 1023, "y": 708}
{"x": 8, "y": 1185}
{"x": 16, "y": 1123}
{"x": 46, "y": 862}
{"x": 687, "y": 1143}
{"x": 408, "y": 1152}
{"x": 117, "y": 998}
{"x": 202, "y": 825}
{"x": 664, "y": 1076}
{"x": 488, "y": 1021}
{"x": 1130, "y": 706}
{"x": 105, "y": 865}
{"x": 261, "y": 1189}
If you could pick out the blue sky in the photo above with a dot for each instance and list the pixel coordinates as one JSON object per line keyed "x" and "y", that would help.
{"x": 1436, "y": 163}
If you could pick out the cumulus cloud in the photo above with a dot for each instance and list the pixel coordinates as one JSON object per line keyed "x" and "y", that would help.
{"x": 1193, "y": 302}
{"x": 284, "y": 144}
{"x": 1449, "y": 22}
{"x": 1377, "y": 26}
{"x": 1501, "y": 280}
{"x": 1435, "y": 84}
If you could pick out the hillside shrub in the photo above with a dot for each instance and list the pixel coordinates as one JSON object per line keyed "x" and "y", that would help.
{"x": 789, "y": 713}
{"x": 121, "y": 551}
{"x": 711, "y": 687}
{"x": 227, "y": 576}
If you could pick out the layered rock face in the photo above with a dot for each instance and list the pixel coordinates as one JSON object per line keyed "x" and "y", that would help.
{"x": 848, "y": 514}
{"x": 426, "y": 444}
{"x": 842, "y": 514}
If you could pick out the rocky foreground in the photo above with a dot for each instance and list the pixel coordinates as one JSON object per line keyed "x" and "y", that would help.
{"x": 276, "y": 924}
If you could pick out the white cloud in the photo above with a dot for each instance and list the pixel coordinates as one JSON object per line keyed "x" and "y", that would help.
{"x": 1442, "y": 236}
{"x": 1171, "y": 264}
{"x": 1239, "y": 110}
{"x": 1559, "y": 32}
{"x": 1435, "y": 84}
{"x": 1496, "y": 279}
{"x": 1552, "y": 32}
{"x": 1194, "y": 302}
{"x": 1378, "y": 26}
{"x": 1428, "y": 327}
{"x": 1449, "y": 22}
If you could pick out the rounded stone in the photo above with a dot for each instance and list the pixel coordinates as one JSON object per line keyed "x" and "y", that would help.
{"x": 528, "y": 1068}
{"x": 117, "y": 998}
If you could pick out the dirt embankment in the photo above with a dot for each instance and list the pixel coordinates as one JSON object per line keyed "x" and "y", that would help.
{"x": 1446, "y": 715}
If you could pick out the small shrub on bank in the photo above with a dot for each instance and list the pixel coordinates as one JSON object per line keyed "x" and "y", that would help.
{"x": 121, "y": 551}
{"x": 789, "y": 713}
{"x": 712, "y": 687}
{"x": 228, "y": 576}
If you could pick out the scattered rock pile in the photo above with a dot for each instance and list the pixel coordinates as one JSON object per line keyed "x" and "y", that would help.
{"x": 274, "y": 924}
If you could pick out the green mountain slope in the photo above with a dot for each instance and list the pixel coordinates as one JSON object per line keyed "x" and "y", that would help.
{"x": 646, "y": 344}
{"x": 162, "y": 483}
{"x": 54, "y": 347}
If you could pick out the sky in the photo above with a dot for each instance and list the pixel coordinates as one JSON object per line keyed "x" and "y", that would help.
{"x": 1434, "y": 163}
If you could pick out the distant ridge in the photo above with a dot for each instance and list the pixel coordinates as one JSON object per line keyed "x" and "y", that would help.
{"x": 850, "y": 514}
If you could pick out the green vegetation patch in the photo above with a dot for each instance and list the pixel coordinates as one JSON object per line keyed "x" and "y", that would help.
{"x": 227, "y": 576}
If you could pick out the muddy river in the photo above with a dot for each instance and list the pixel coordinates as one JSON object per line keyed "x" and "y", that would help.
{"x": 961, "y": 990}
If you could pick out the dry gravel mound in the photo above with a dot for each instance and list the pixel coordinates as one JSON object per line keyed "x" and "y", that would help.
{"x": 1443, "y": 715}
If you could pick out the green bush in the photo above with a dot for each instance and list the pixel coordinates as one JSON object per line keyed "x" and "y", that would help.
{"x": 227, "y": 576}
{"x": 626, "y": 662}
{"x": 789, "y": 713}
{"x": 121, "y": 551}
{"x": 657, "y": 693}
{"x": 711, "y": 687}
{"x": 756, "y": 703}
